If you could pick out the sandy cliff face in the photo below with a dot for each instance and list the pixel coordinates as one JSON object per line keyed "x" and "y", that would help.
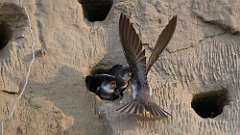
{"x": 199, "y": 69}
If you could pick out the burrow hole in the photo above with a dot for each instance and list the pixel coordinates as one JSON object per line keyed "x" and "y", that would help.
{"x": 100, "y": 68}
{"x": 5, "y": 34}
{"x": 210, "y": 104}
{"x": 96, "y": 10}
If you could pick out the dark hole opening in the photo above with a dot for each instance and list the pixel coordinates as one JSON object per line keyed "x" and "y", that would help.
{"x": 5, "y": 34}
{"x": 99, "y": 71}
{"x": 210, "y": 104}
{"x": 96, "y": 10}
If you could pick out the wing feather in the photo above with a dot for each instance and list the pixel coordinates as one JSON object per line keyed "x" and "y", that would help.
{"x": 135, "y": 55}
{"x": 162, "y": 41}
{"x": 133, "y": 50}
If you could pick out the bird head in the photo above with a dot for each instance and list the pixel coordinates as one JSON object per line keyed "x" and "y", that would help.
{"x": 109, "y": 86}
{"x": 126, "y": 74}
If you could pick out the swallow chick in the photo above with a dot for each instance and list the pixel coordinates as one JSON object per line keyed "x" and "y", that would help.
{"x": 103, "y": 85}
{"x": 100, "y": 82}
{"x": 142, "y": 103}
{"x": 122, "y": 74}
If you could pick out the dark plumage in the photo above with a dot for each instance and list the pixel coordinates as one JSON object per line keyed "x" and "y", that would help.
{"x": 103, "y": 85}
{"x": 135, "y": 55}
{"x": 100, "y": 82}
{"x": 122, "y": 74}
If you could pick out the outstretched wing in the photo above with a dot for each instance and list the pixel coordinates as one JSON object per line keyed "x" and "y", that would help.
{"x": 133, "y": 50}
{"x": 136, "y": 59}
{"x": 162, "y": 41}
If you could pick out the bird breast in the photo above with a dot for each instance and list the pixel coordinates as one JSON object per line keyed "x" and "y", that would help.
{"x": 107, "y": 89}
{"x": 134, "y": 91}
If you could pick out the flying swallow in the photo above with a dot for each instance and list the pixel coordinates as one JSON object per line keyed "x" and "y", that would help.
{"x": 135, "y": 54}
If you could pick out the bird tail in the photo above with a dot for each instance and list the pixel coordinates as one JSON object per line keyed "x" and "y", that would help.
{"x": 143, "y": 108}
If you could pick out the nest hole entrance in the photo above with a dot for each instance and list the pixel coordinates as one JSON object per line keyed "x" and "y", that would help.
{"x": 96, "y": 10}
{"x": 5, "y": 35}
{"x": 210, "y": 104}
{"x": 100, "y": 69}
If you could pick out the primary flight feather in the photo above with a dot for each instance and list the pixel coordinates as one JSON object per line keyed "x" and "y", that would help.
{"x": 135, "y": 55}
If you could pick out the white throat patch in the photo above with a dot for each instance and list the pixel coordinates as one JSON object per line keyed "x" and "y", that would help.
{"x": 107, "y": 88}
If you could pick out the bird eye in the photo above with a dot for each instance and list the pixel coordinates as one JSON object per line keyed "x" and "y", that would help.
{"x": 113, "y": 82}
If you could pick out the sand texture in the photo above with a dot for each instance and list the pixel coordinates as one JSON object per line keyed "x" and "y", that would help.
{"x": 201, "y": 63}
